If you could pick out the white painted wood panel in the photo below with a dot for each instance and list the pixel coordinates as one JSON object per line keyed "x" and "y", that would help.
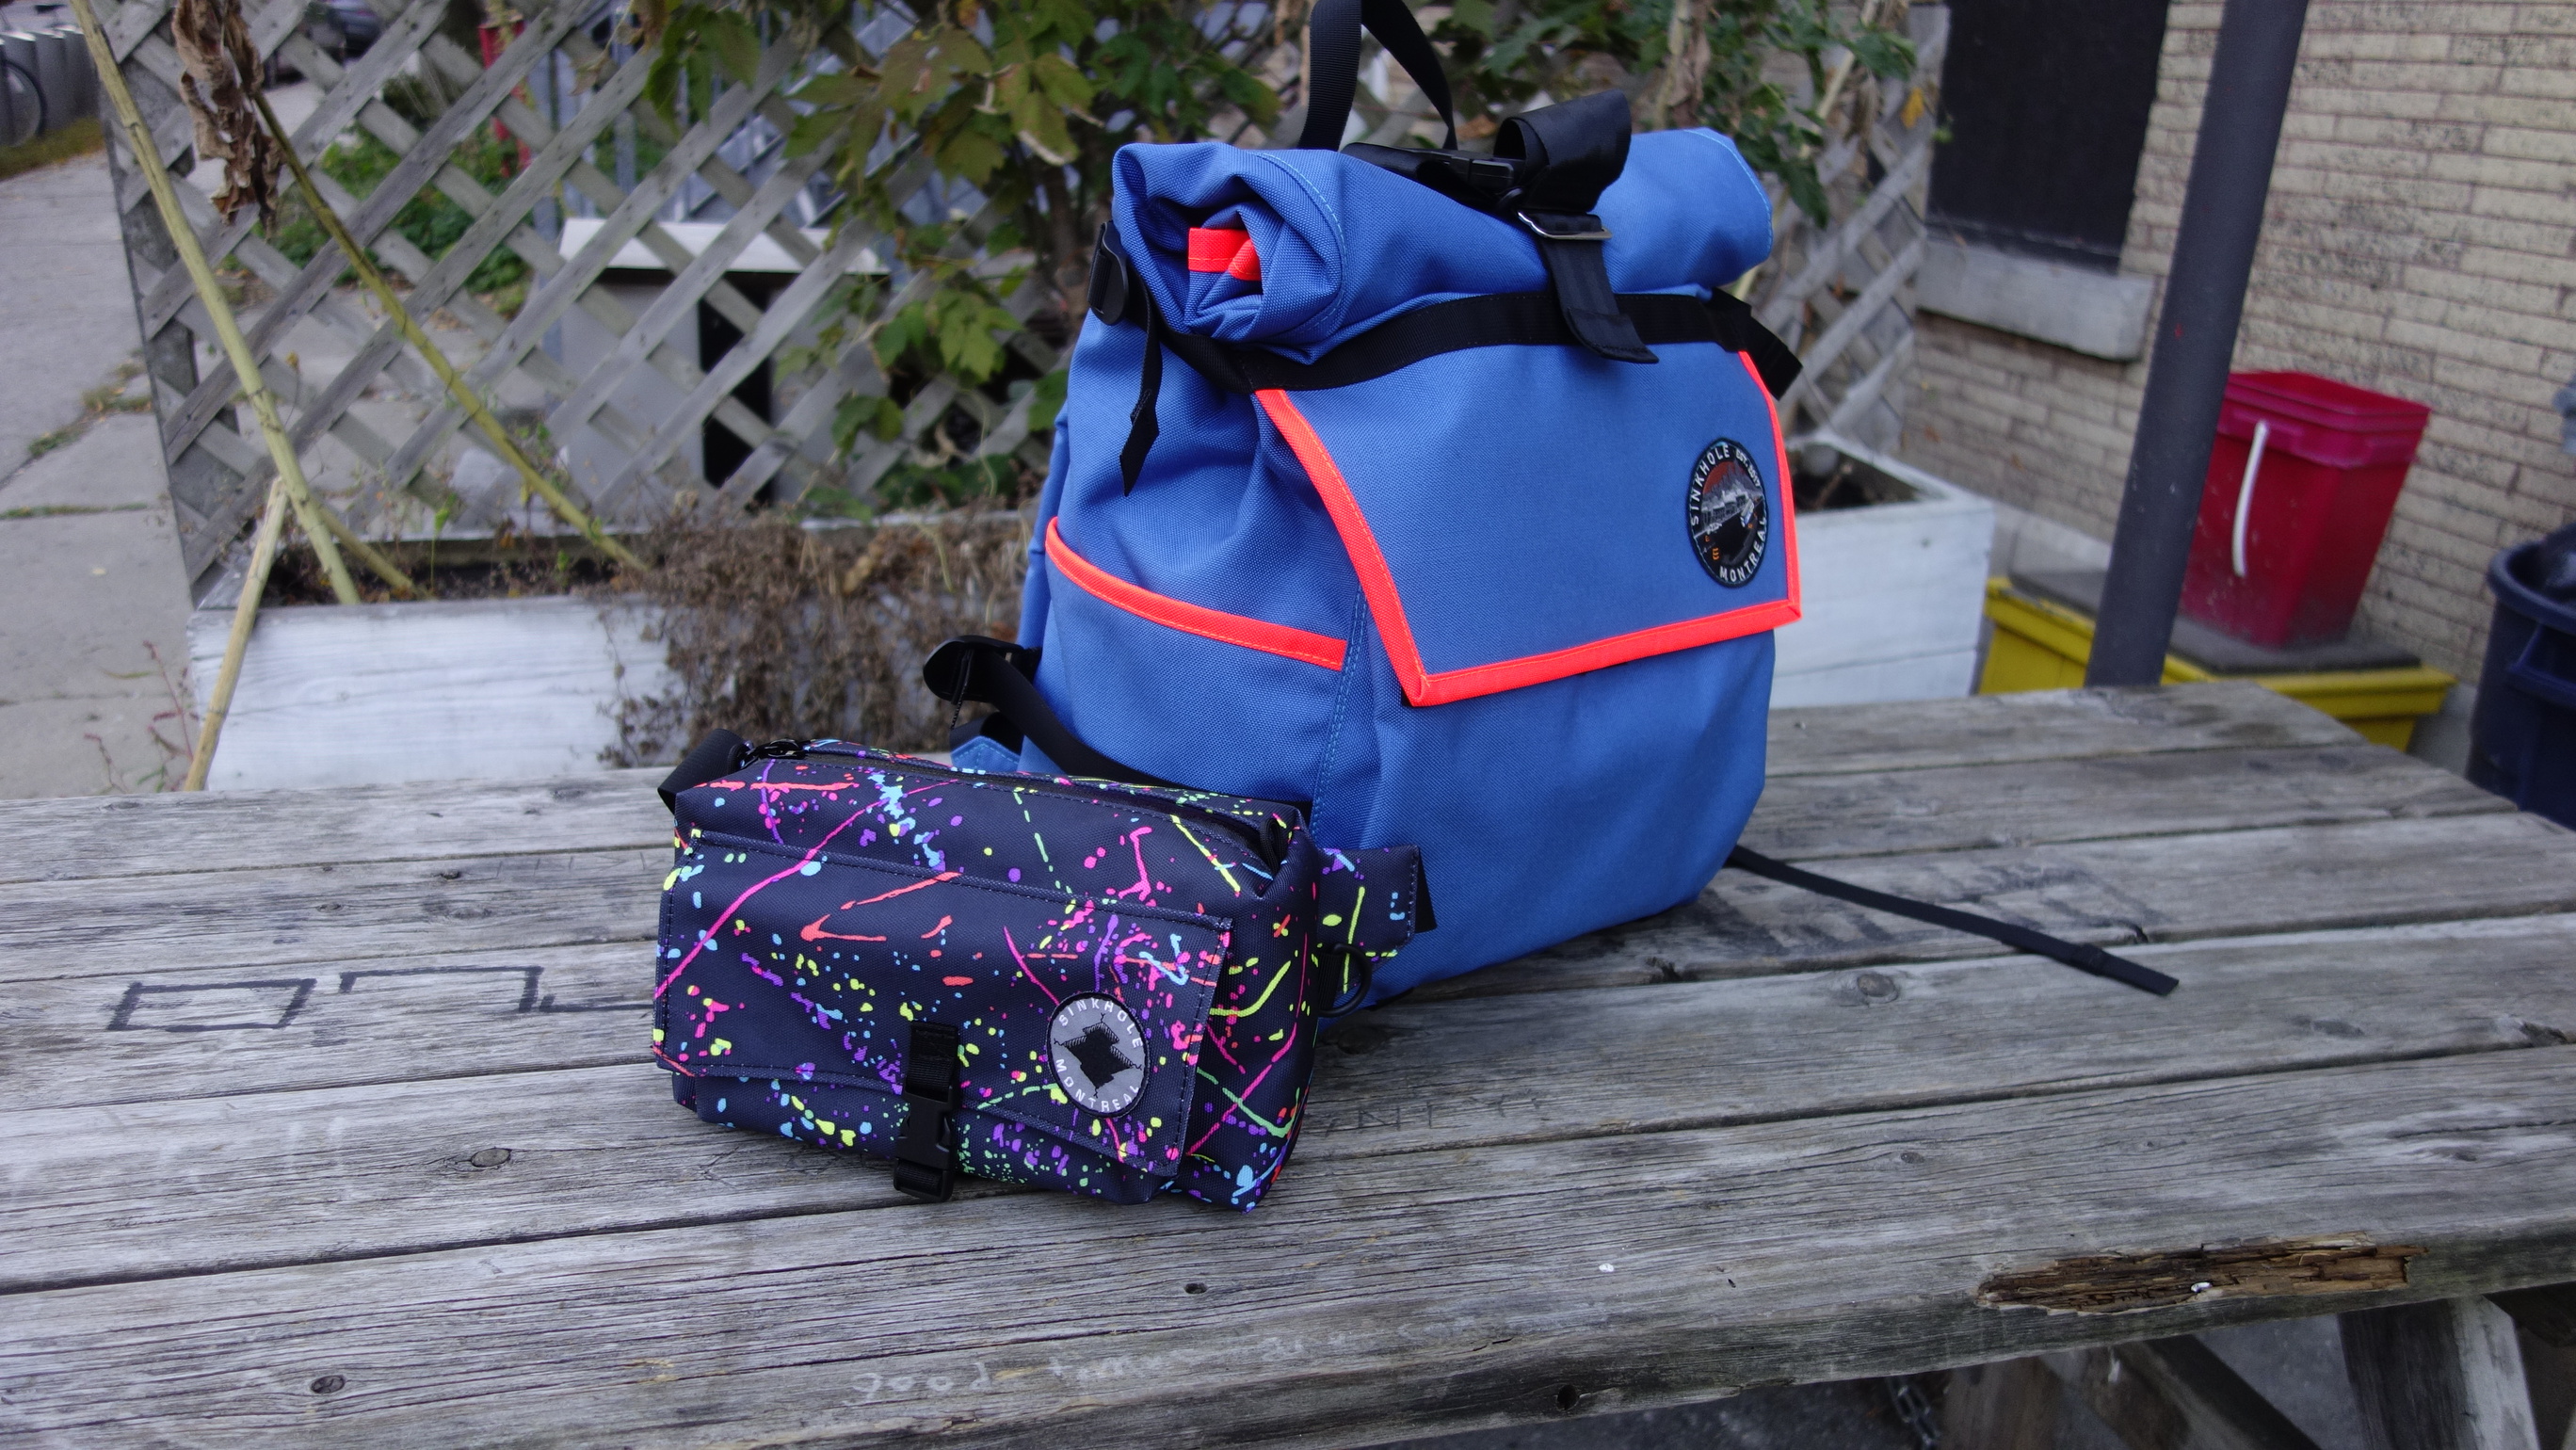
{"x": 1892, "y": 594}
{"x": 375, "y": 693}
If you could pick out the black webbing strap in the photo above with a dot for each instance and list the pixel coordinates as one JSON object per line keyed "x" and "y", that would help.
{"x": 1001, "y": 674}
{"x": 1571, "y": 152}
{"x": 925, "y": 1148}
{"x": 716, "y": 753}
{"x": 1505, "y": 319}
{"x": 1502, "y": 319}
{"x": 2021, "y": 938}
{"x": 1333, "y": 66}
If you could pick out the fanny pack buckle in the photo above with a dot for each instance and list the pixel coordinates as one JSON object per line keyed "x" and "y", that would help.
{"x": 925, "y": 1148}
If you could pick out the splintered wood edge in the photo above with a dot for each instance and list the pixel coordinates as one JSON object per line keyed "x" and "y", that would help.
{"x": 2347, "y": 1263}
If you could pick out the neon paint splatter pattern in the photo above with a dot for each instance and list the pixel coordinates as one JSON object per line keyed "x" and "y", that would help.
{"x": 819, "y": 906}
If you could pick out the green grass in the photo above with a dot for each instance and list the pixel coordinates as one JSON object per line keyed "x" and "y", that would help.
{"x": 57, "y": 510}
{"x": 80, "y": 138}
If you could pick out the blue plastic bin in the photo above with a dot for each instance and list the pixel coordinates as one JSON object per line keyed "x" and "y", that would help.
{"x": 2522, "y": 737}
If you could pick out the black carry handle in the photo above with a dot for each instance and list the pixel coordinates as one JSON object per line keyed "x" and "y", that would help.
{"x": 2021, "y": 938}
{"x": 1333, "y": 66}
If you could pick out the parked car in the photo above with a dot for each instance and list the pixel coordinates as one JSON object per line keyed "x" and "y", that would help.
{"x": 345, "y": 28}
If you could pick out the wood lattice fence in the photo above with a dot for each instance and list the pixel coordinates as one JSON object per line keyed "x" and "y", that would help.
{"x": 612, "y": 360}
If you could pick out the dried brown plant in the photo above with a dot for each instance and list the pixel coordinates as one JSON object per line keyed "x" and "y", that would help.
{"x": 773, "y": 629}
{"x": 220, "y": 81}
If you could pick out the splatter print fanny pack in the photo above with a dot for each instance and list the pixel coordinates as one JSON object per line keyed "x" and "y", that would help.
{"x": 1105, "y": 989}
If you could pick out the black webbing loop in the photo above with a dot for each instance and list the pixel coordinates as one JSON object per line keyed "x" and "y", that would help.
{"x": 2021, "y": 938}
{"x": 1573, "y": 151}
{"x": 1581, "y": 279}
{"x": 925, "y": 1148}
{"x": 717, "y": 752}
{"x": 1333, "y": 66}
{"x": 1000, "y": 674}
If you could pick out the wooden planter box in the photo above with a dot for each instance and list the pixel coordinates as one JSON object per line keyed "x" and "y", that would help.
{"x": 514, "y": 688}
{"x": 1894, "y": 590}
{"x": 370, "y": 693}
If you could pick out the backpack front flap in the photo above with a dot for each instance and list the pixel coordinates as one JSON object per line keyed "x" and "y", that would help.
{"x": 1446, "y": 594}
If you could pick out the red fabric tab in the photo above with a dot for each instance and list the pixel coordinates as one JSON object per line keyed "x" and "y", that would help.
{"x": 1224, "y": 249}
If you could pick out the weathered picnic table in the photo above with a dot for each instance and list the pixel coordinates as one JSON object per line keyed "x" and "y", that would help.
{"x": 331, "y": 1121}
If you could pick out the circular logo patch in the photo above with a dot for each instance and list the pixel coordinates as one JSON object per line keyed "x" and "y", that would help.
{"x": 1098, "y": 1053}
{"x": 1730, "y": 525}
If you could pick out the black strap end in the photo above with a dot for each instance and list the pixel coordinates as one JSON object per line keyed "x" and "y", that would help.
{"x": 717, "y": 752}
{"x": 1738, "y": 330}
{"x": 2087, "y": 958}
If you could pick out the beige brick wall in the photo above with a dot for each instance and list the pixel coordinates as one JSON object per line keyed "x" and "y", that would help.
{"x": 2420, "y": 240}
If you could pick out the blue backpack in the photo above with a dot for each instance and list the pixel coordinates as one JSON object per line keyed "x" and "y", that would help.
{"x": 1462, "y": 520}
{"x": 1461, "y": 524}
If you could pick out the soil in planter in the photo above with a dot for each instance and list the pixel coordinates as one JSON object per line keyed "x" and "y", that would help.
{"x": 503, "y": 567}
{"x": 1844, "y": 483}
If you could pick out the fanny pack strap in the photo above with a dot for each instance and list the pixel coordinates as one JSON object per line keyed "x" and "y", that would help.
{"x": 717, "y": 753}
{"x": 2021, "y": 938}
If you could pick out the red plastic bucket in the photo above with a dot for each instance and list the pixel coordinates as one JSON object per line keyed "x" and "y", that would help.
{"x": 2301, "y": 483}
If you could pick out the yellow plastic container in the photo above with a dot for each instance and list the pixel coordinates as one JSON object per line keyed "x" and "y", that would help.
{"x": 2039, "y": 645}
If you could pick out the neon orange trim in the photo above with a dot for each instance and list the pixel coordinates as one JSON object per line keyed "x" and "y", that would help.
{"x": 1234, "y": 629}
{"x": 1788, "y": 506}
{"x": 1224, "y": 249}
{"x": 1377, "y": 583}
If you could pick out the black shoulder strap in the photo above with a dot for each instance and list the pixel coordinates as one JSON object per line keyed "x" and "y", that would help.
{"x": 2021, "y": 938}
{"x": 1001, "y": 674}
{"x": 1333, "y": 66}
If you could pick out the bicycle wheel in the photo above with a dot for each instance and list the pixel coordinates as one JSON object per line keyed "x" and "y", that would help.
{"x": 22, "y": 105}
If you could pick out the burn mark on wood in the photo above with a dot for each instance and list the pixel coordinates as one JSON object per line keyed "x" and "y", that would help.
{"x": 2120, "y": 1283}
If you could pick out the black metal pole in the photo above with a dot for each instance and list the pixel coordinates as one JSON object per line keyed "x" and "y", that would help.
{"x": 2222, "y": 217}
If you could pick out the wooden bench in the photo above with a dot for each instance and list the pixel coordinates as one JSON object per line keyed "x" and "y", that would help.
{"x": 331, "y": 1122}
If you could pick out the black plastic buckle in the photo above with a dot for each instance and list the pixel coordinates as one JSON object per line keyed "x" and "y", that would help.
{"x": 1114, "y": 284}
{"x": 1558, "y": 227}
{"x": 925, "y": 1148}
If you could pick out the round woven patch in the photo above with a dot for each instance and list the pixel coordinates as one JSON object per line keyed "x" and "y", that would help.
{"x": 1098, "y": 1053}
{"x": 1730, "y": 522}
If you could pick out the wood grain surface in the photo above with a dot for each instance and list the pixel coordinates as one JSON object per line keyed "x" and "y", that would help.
{"x": 332, "y": 1121}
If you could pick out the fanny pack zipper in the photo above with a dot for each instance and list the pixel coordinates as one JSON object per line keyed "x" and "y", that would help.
{"x": 1268, "y": 842}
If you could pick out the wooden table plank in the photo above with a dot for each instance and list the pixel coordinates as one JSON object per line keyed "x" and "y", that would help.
{"x": 153, "y": 1023}
{"x": 92, "y": 838}
{"x": 186, "y": 1032}
{"x": 1406, "y": 1292}
{"x": 1813, "y": 817}
{"x": 275, "y": 1178}
{"x": 2169, "y": 888}
{"x": 2043, "y": 725}
{"x": 302, "y": 916}
{"x": 329, "y": 915}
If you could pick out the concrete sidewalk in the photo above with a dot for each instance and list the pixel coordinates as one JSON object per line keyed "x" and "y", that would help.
{"x": 90, "y": 582}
